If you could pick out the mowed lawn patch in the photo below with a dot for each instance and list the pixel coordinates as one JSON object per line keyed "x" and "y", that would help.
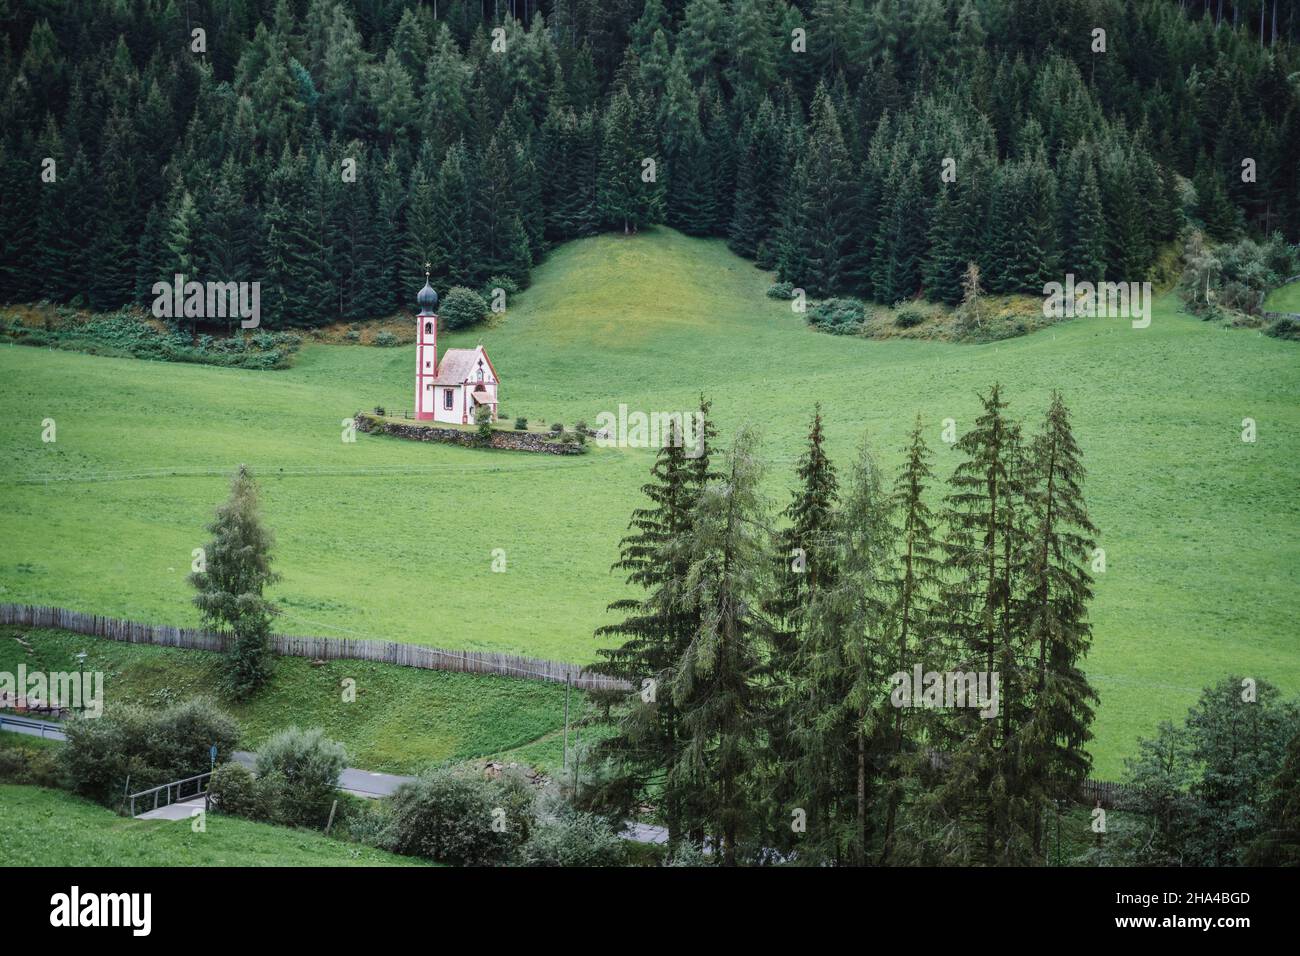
{"x": 40, "y": 827}
{"x": 394, "y": 540}
{"x": 403, "y": 719}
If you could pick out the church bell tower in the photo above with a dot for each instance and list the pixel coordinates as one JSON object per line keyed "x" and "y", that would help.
{"x": 426, "y": 350}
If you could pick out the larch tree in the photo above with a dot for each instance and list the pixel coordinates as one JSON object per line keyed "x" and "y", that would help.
{"x": 235, "y": 571}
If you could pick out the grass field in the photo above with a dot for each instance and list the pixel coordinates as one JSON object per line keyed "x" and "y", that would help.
{"x": 402, "y": 720}
{"x": 389, "y": 539}
{"x": 1284, "y": 299}
{"x": 41, "y": 827}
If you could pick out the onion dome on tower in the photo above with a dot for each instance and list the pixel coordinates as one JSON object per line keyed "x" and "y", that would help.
{"x": 427, "y": 298}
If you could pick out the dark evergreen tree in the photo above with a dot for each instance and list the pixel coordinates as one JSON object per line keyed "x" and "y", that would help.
{"x": 1056, "y": 590}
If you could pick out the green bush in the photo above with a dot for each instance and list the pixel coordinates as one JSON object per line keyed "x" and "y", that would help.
{"x": 368, "y": 822}
{"x": 124, "y": 334}
{"x": 483, "y": 420}
{"x": 141, "y": 748}
{"x": 506, "y": 284}
{"x": 837, "y": 316}
{"x": 557, "y": 428}
{"x": 572, "y": 838}
{"x": 26, "y": 763}
{"x": 352, "y": 335}
{"x": 462, "y": 308}
{"x": 521, "y": 424}
{"x": 1288, "y": 329}
{"x": 297, "y": 772}
{"x": 781, "y": 290}
{"x": 449, "y": 816}
{"x": 386, "y": 339}
{"x": 909, "y": 318}
{"x": 234, "y": 791}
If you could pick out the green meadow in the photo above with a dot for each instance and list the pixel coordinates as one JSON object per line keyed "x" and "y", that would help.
{"x": 387, "y": 539}
{"x": 52, "y": 828}
{"x": 401, "y": 719}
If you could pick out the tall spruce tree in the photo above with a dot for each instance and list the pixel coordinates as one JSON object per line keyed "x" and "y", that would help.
{"x": 647, "y": 740}
{"x": 804, "y": 563}
{"x": 715, "y": 679}
{"x": 1056, "y": 590}
{"x": 818, "y": 215}
{"x": 839, "y": 680}
{"x": 984, "y": 563}
{"x": 914, "y": 588}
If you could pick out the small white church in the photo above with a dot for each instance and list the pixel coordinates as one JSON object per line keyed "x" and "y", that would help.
{"x": 451, "y": 390}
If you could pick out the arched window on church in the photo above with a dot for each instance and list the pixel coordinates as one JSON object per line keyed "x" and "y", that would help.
{"x": 428, "y": 328}
{"x": 480, "y": 375}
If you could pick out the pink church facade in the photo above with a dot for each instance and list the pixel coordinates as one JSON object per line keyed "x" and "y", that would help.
{"x": 453, "y": 388}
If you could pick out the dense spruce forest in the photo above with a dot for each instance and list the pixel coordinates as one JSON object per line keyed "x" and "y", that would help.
{"x": 328, "y": 149}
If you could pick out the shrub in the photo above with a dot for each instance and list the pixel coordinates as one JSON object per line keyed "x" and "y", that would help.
{"x": 142, "y": 748}
{"x": 462, "y": 308}
{"x": 572, "y": 838}
{"x": 909, "y": 318}
{"x": 506, "y": 284}
{"x": 233, "y": 789}
{"x": 379, "y": 410}
{"x": 837, "y": 316}
{"x": 781, "y": 290}
{"x": 557, "y": 428}
{"x": 352, "y": 335}
{"x": 297, "y": 772}
{"x": 368, "y": 823}
{"x": 25, "y": 763}
{"x": 1284, "y": 329}
{"x": 386, "y": 339}
{"x": 521, "y": 424}
{"x": 483, "y": 419}
{"x": 448, "y": 816}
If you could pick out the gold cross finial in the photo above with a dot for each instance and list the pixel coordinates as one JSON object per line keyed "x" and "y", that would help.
{"x": 426, "y": 272}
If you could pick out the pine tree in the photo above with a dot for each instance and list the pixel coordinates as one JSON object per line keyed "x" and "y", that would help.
{"x": 501, "y": 240}
{"x": 760, "y": 169}
{"x": 913, "y": 590}
{"x": 1023, "y": 227}
{"x": 1085, "y": 231}
{"x": 839, "y": 680}
{"x": 456, "y": 253}
{"x": 819, "y": 225}
{"x": 804, "y": 563}
{"x": 647, "y": 740}
{"x": 623, "y": 195}
{"x": 983, "y": 550}
{"x": 714, "y": 680}
{"x": 1057, "y": 588}
{"x": 384, "y": 294}
{"x": 237, "y": 570}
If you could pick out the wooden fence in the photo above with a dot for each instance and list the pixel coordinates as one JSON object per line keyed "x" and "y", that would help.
{"x": 313, "y": 648}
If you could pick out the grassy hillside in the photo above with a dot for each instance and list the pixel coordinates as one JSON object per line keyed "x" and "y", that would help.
{"x": 402, "y": 720}
{"x": 389, "y": 539}
{"x": 1284, "y": 299}
{"x": 51, "y": 828}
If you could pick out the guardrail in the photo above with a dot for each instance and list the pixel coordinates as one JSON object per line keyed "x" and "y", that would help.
{"x": 198, "y": 780}
{"x": 47, "y": 730}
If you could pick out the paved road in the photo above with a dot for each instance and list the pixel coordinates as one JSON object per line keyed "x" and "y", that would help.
{"x": 364, "y": 783}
